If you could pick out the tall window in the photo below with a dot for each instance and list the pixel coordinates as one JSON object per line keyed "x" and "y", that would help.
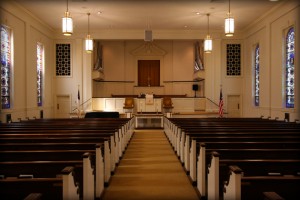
{"x": 290, "y": 68}
{"x": 5, "y": 67}
{"x": 256, "y": 73}
{"x": 40, "y": 68}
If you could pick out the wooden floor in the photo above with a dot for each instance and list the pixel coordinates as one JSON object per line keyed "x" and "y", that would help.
{"x": 150, "y": 170}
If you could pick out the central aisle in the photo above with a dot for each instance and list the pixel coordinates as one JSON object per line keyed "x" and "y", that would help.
{"x": 150, "y": 170}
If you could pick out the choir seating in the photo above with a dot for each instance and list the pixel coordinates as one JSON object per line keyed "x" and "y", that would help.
{"x": 128, "y": 106}
{"x": 167, "y": 104}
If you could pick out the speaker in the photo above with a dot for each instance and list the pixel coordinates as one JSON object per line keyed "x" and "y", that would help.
{"x": 195, "y": 87}
{"x": 148, "y": 35}
{"x": 41, "y": 114}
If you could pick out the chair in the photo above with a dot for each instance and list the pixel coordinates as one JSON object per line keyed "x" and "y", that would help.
{"x": 167, "y": 104}
{"x": 128, "y": 105}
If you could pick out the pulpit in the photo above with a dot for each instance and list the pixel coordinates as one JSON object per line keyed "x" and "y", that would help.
{"x": 146, "y": 105}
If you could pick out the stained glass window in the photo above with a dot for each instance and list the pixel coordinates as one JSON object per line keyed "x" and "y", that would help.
{"x": 40, "y": 68}
{"x": 290, "y": 68}
{"x": 256, "y": 74}
{"x": 5, "y": 67}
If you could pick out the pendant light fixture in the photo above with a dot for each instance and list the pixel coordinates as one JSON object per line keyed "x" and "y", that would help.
{"x": 208, "y": 39}
{"x": 67, "y": 23}
{"x": 88, "y": 40}
{"x": 229, "y": 24}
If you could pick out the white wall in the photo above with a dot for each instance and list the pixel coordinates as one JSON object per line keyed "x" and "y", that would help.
{"x": 120, "y": 64}
{"x": 175, "y": 50}
{"x": 269, "y": 33}
{"x": 27, "y": 31}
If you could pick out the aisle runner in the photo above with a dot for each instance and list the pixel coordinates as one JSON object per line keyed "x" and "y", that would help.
{"x": 150, "y": 170}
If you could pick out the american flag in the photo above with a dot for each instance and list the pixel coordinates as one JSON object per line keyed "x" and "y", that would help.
{"x": 221, "y": 104}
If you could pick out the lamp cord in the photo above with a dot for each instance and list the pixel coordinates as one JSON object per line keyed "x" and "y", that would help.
{"x": 88, "y": 23}
{"x": 208, "y": 23}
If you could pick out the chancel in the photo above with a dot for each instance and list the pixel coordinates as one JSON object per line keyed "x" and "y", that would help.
{"x": 167, "y": 101}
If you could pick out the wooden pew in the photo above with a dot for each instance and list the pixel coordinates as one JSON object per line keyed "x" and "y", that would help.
{"x": 253, "y": 187}
{"x": 181, "y": 143}
{"x": 34, "y": 196}
{"x": 102, "y": 169}
{"x": 180, "y": 140}
{"x": 72, "y": 133}
{"x": 106, "y": 148}
{"x": 61, "y": 187}
{"x": 174, "y": 133}
{"x": 184, "y": 143}
{"x": 178, "y": 135}
{"x": 87, "y": 170}
{"x": 25, "y": 167}
{"x": 191, "y": 155}
{"x": 255, "y": 163}
{"x": 109, "y": 138}
{"x": 272, "y": 196}
{"x": 123, "y": 128}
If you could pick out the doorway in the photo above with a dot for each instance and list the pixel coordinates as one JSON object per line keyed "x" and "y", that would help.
{"x": 148, "y": 72}
{"x": 233, "y": 106}
{"x": 62, "y": 109}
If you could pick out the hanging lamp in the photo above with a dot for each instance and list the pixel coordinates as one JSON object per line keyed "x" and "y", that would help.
{"x": 67, "y": 23}
{"x": 88, "y": 39}
{"x": 208, "y": 39}
{"x": 229, "y": 24}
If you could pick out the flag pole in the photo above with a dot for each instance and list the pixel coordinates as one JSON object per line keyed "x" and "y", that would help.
{"x": 221, "y": 103}
{"x": 78, "y": 102}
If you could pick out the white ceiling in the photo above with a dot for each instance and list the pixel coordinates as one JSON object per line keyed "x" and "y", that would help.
{"x": 152, "y": 14}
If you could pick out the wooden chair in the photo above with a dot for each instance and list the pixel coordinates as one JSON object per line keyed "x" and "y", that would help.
{"x": 167, "y": 104}
{"x": 128, "y": 105}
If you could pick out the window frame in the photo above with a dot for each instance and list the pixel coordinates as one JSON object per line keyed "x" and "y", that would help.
{"x": 287, "y": 68}
{"x": 40, "y": 74}
{"x": 256, "y": 67}
{"x": 9, "y": 69}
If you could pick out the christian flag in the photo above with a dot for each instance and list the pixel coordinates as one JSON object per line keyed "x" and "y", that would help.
{"x": 221, "y": 104}
{"x": 78, "y": 96}
{"x": 78, "y": 102}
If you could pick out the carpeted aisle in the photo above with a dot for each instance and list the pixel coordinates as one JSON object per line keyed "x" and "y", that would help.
{"x": 150, "y": 170}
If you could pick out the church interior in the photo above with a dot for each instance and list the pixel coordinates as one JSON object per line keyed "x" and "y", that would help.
{"x": 174, "y": 93}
